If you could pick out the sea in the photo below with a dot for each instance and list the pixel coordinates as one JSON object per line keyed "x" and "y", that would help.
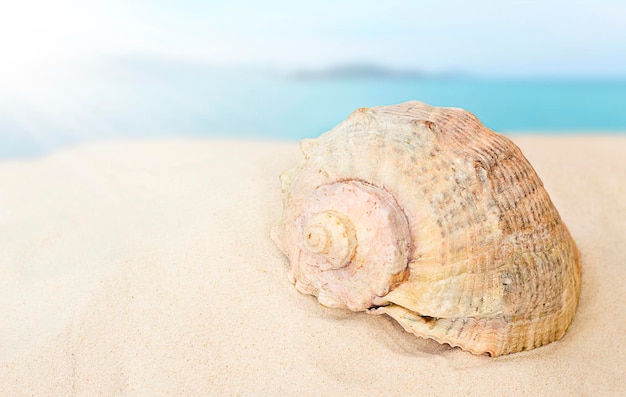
{"x": 148, "y": 101}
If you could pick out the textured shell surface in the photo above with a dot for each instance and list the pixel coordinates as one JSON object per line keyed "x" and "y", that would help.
{"x": 426, "y": 215}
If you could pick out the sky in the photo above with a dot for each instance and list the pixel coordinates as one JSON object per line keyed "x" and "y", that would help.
{"x": 499, "y": 38}
{"x": 76, "y": 70}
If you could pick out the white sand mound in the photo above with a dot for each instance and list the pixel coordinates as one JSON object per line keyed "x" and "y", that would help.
{"x": 147, "y": 269}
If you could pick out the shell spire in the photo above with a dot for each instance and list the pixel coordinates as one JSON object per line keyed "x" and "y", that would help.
{"x": 426, "y": 215}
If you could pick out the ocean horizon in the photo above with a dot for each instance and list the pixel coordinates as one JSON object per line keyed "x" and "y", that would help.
{"x": 159, "y": 100}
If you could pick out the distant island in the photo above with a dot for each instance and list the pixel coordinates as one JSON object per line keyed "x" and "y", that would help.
{"x": 366, "y": 71}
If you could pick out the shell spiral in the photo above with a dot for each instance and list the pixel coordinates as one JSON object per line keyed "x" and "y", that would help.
{"x": 426, "y": 215}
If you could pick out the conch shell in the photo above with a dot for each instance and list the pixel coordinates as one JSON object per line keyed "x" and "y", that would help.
{"x": 426, "y": 215}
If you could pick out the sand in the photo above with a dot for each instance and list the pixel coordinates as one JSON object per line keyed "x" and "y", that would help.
{"x": 145, "y": 268}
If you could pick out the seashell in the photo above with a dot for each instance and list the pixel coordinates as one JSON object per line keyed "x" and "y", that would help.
{"x": 426, "y": 215}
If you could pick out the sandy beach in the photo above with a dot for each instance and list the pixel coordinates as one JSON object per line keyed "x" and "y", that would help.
{"x": 145, "y": 268}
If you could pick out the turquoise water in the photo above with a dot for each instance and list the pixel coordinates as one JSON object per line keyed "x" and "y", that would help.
{"x": 165, "y": 102}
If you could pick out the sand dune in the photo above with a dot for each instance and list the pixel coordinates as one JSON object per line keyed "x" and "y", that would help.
{"x": 146, "y": 268}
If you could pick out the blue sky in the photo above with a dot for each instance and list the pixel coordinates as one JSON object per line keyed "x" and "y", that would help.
{"x": 502, "y": 38}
